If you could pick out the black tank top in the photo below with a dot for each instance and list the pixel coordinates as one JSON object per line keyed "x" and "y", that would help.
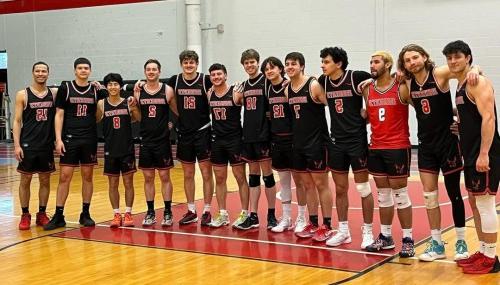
{"x": 470, "y": 129}
{"x": 310, "y": 129}
{"x": 154, "y": 117}
{"x": 192, "y": 104}
{"x": 37, "y": 132}
{"x": 281, "y": 115}
{"x": 79, "y": 116}
{"x": 434, "y": 110}
{"x": 117, "y": 129}
{"x": 226, "y": 115}
{"x": 345, "y": 105}
{"x": 255, "y": 121}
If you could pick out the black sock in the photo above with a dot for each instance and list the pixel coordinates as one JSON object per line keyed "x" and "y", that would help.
{"x": 59, "y": 210}
{"x": 313, "y": 219}
{"x": 327, "y": 222}
{"x": 452, "y": 183}
{"x": 42, "y": 209}
{"x": 270, "y": 212}
{"x": 85, "y": 207}
{"x": 151, "y": 206}
{"x": 26, "y": 210}
{"x": 168, "y": 206}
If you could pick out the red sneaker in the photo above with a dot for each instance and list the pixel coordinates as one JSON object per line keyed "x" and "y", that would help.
{"x": 128, "y": 221}
{"x": 469, "y": 261}
{"x": 117, "y": 221}
{"x": 188, "y": 218}
{"x": 308, "y": 231}
{"x": 25, "y": 222}
{"x": 323, "y": 233}
{"x": 42, "y": 219}
{"x": 483, "y": 265}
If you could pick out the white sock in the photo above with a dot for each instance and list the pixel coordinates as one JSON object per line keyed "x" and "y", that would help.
{"x": 244, "y": 212}
{"x": 460, "y": 233}
{"x": 490, "y": 249}
{"x": 287, "y": 210}
{"x": 116, "y": 211}
{"x": 223, "y": 212}
{"x": 191, "y": 207}
{"x": 207, "y": 208}
{"x": 344, "y": 227}
{"x": 302, "y": 211}
{"x": 436, "y": 235}
{"x": 386, "y": 230}
{"x": 407, "y": 233}
{"x": 368, "y": 227}
{"x": 128, "y": 209}
{"x": 481, "y": 246}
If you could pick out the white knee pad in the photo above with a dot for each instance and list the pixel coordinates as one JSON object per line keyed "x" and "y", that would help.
{"x": 486, "y": 206}
{"x": 364, "y": 189}
{"x": 401, "y": 198}
{"x": 431, "y": 199}
{"x": 385, "y": 199}
{"x": 286, "y": 185}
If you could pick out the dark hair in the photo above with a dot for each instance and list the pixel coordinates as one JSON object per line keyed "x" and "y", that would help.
{"x": 456, "y": 47}
{"x": 416, "y": 48}
{"x": 338, "y": 54}
{"x": 217, "y": 66}
{"x": 296, "y": 56}
{"x": 39, "y": 63}
{"x": 152, "y": 60}
{"x": 273, "y": 61}
{"x": 81, "y": 60}
{"x": 188, "y": 54}
{"x": 113, "y": 77}
{"x": 249, "y": 54}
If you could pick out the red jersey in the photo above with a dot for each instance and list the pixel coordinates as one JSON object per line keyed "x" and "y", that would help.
{"x": 388, "y": 117}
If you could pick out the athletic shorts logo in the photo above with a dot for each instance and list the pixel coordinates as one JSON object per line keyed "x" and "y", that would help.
{"x": 452, "y": 163}
{"x": 363, "y": 162}
{"x": 318, "y": 164}
{"x": 400, "y": 169}
{"x": 476, "y": 184}
{"x": 264, "y": 152}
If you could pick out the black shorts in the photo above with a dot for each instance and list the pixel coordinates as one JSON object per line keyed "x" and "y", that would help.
{"x": 37, "y": 161}
{"x": 79, "y": 152}
{"x": 479, "y": 183}
{"x": 191, "y": 147}
{"x": 256, "y": 151}
{"x": 446, "y": 157}
{"x": 393, "y": 163}
{"x": 310, "y": 160}
{"x": 113, "y": 166}
{"x": 282, "y": 153}
{"x": 226, "y": 150}
{"x": 342, "y": 155}
{"x": 156, "y": 157}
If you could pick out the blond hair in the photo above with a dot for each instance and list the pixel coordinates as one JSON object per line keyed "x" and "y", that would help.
{"x": 386, "y": 57}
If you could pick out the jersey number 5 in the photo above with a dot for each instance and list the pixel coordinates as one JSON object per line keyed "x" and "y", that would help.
{"x": 152, "y": 111}
{"x": 339, "y": 106}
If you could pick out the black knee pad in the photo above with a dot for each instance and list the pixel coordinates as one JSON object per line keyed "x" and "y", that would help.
{"x": 269, "y": 181}
{"x": 253, "y": 180}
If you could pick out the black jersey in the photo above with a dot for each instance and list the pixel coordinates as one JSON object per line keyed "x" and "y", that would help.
{"x": 280, "y": 113}
{"x": 117, "y": 129}
{"x": 345, "y": 104}
{"x": 310, "y": 129}
{"x": 192, "y": 103}
{"x": 155, "y": 115}
{"x": 37, "y": 132}
{"x": 255, "y": 121}
{"x": 226, "y": 115}
{"x": 434, "y": 110}
{"x": 79, "y": 104}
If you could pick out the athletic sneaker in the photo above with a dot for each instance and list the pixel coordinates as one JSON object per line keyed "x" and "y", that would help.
{"x": 168, "y": 219}
{"x": 308, "y": 231}
{"x": 241, "y": 218}
{"x": 483, "y": 265}
{"x": 117, "y": 221}
{"x": 220, "y": 220}
{"x": 433, "y": 251}
{"x": 86, "y": 220}
{"x": 461, "y": 251}
{"x": 149, "y": 219}
{"x": 188, "y": 218}
{"x": 367, "y": 237}
{"x": 284, "y": 225}
{"x": 57, "y": 221}
{"x": 339, "y": 238}
{"x": 382, "y": 242}
{"x": 128, "y": 221}
{"x": 470, "y": 260}
{"x": 251, "y": 221}
{"x": 25, "y": 222}
{"x": 323, "y": 233}
{"x": 407, "y": 248}
{"x": 42, "y": 219}
{"x": 206, "y": 219}
{"x": 300, "y": 224}
{"x": 271, "y": 222}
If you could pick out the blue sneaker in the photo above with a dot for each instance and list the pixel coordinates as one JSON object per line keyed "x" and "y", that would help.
{"x": 461, "y": 251}
{"x": 433, "y": 251}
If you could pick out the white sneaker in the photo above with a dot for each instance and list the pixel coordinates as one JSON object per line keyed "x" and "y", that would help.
{"x": 241, "y": 218}
{"x": 300, "y": 224}
{"x": 433, "y": 251}
{"x": 220, "y": 220}
{"x": 339, "y": 238}
{"x": 367, "y": 238}
{"x": 284, "y": 225}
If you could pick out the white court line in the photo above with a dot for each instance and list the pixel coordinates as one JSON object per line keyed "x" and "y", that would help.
{"x": 437, "y": 260}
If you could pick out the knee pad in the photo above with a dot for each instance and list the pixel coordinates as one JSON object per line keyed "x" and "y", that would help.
{"x": 431, "y": 199}
{"x": 401, "y": 198}
{"x": 253, "y": 180}
{"x": 269, "y": 181}
{"x": 486, "y": 207}
{"x": 364, "y": 189}
{"x": 385, "y": 199}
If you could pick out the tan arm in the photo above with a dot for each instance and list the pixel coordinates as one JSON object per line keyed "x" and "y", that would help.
{"x": 17, "y": 124}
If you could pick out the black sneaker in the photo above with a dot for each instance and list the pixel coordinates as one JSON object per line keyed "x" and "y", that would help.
{"x": 382, "y": 242}
{"x": 86, "y": 220}
{"x": 57, "y": 221}
{"x": 206, "y": 219}
{"x": 408, "y": 248}
{"x": 271, "y": 222}
{"x": 251, "y": 221}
